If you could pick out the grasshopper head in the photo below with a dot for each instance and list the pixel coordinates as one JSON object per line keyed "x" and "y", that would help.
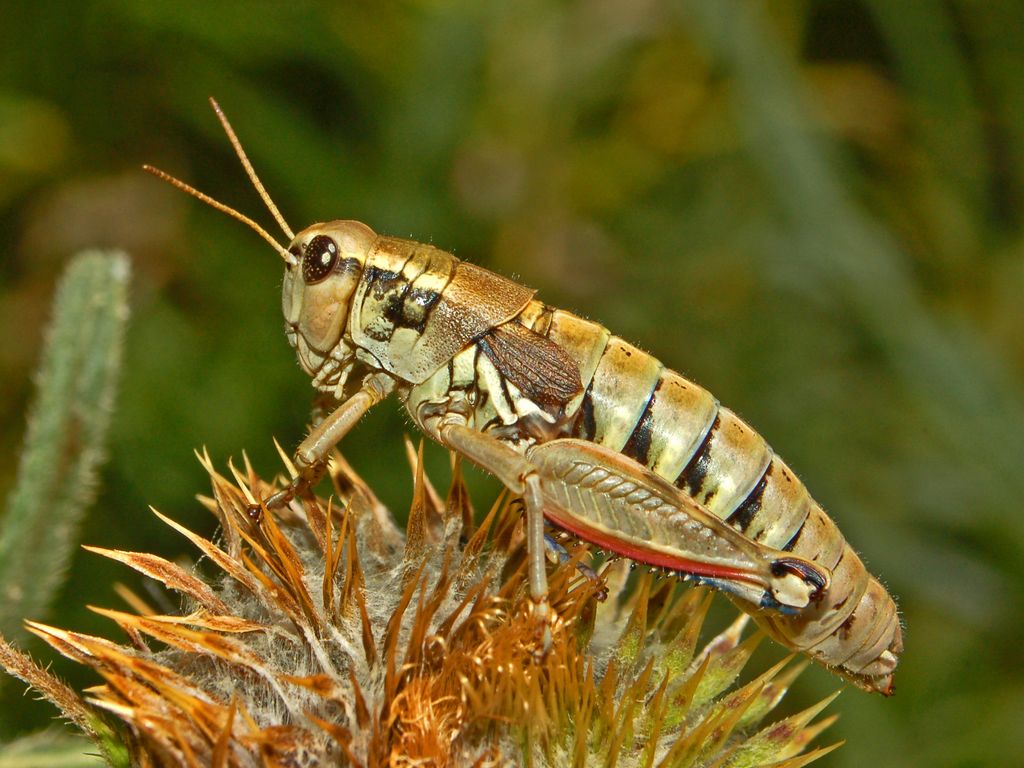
{"x": 323, "y": 264}
{"x": 319, "y": 282}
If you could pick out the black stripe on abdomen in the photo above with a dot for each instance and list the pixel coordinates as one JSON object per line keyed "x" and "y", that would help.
{"x": 586, "y": 423}
{"x": 790, "y": 545}
{"x": 747, "y": 510}
{"x": 691, "y": 479}
{"x": 638, "y": 445}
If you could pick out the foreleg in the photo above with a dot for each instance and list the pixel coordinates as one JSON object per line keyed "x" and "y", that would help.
{"x": 311, "y": 456}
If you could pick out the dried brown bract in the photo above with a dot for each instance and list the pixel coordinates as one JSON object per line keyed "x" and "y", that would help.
{"x": 331, "y": 637}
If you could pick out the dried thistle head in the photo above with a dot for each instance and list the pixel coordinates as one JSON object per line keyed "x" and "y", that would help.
{"x": 329, "y": 636}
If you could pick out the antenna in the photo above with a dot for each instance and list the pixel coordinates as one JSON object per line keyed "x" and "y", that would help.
{"x": 250, "y": 170}
{"x": 188, "y": 189}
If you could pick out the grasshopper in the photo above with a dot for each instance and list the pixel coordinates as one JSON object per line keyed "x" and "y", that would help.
{"x": 598, "y": 437}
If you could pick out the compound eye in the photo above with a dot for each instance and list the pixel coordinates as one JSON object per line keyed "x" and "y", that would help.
{"x": 318, "y": 259}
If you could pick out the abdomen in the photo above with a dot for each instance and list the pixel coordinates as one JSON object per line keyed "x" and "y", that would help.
{"x": 635, "y": 405}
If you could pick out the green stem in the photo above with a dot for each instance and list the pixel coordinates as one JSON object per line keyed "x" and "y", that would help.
{"x": 64, "y": 444}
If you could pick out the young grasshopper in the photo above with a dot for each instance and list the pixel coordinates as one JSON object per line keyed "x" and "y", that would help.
{"x": 597, "y": 436}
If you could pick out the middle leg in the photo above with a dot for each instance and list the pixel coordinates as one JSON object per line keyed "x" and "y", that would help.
{"x": 520, "y": 477}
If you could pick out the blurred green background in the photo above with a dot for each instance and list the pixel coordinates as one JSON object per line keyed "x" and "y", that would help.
{"x": 812, "y": 208}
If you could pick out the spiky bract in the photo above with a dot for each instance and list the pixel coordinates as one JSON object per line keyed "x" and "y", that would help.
{"x": 330, "y": 636}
